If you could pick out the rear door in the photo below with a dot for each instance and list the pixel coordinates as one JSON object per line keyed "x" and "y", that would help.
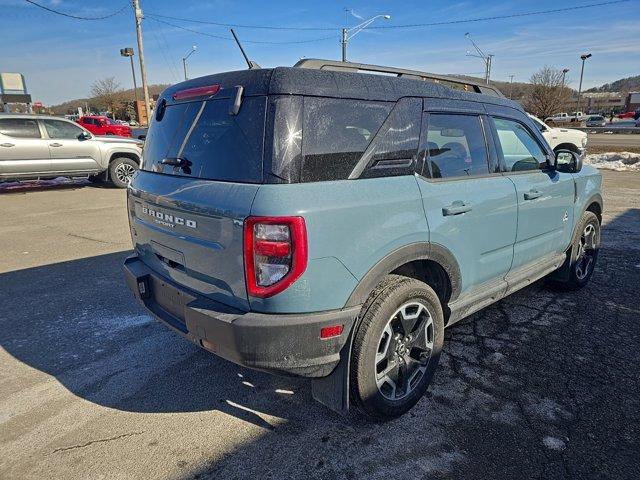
{"x": 471, "y": 208}
{"x": 202, "y": 168}
{"x": 545, "y": 196}
{"x": 23, "y": 151}
{"x": 68, "y": 151}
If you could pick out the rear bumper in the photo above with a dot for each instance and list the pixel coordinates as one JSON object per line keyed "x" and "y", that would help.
{"x": 287, "y": 344}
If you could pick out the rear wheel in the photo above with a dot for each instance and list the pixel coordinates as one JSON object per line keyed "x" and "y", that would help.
{"x": 121, "y": 170}
{"x": 396, "y": 348}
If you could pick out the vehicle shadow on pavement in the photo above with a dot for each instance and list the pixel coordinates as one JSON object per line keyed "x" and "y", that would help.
{"x": 542, "y": 384}
{"x": 78, "y": 322}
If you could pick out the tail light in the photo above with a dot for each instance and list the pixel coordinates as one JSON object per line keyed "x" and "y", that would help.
{"x": 275, "y": 253}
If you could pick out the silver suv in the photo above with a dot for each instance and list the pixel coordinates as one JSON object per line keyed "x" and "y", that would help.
{"x": 41, "y": 146}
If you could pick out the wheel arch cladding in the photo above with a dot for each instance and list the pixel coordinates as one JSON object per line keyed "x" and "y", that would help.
{"x": 429, "y": 262}
{"x": 567, "y": 146}
{"x": 129, "y": 155}
{"x": 594, "y": 204}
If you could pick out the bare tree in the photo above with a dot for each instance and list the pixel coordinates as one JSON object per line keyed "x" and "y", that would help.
{"x": 108, "y": 94}
{"x": 547, "y": 94}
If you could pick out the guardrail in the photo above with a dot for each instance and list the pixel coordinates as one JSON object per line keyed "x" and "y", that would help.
{"x": 613, "y": 130}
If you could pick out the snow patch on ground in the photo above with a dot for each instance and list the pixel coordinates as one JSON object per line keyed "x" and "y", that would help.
{"x": 554, "y": 443}
{"x": 620, "y": 161}
{"x": 32, "y": 184}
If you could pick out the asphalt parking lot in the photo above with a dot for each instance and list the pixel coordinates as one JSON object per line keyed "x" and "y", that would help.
{"x": 540, "y": 385}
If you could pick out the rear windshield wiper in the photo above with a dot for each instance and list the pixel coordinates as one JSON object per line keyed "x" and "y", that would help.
{"x": 176, "y": 162}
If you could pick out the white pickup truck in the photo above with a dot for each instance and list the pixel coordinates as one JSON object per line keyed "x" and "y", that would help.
{"x": 562, "y": 138}
{"x": 567, "y": 117}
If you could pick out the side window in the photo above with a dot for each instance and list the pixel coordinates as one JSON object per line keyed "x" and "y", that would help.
{"x": 19, "y": 127}
{"x": 88, "y": 121}
{"x": 519, "y": 149}
{"x": 456, "y": 146}
{"x": 336, "y": 133}
{"x": 59, "y": 129}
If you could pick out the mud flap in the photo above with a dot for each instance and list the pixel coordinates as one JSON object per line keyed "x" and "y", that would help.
{"x": 333, "y": 390}
{"x": 562, "y": 273}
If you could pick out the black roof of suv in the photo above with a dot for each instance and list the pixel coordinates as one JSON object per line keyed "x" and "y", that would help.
{"x": 333, "y": 83}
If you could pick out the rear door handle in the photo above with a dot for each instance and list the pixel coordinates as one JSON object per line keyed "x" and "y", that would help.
{"x": 456, "y": 208}
{"x": 532, "y": 194}
{"x": 8, "y": 145}
{"x": 55, "y": 144}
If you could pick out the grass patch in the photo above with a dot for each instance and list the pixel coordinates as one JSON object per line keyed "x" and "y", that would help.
{"x": 611, "y": 149}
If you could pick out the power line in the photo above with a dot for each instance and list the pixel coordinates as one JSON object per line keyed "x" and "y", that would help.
{"x": 411, "y": 25}
{"x": 57, "y": 12}
{"x": 238, "y": 25}
{"x": 244, "y": 41}
{"x": 502, "y": 17}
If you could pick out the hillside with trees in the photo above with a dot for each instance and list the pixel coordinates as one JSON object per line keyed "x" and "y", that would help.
{"x": 106, "y": 94}
{"x": 629, "y": 84}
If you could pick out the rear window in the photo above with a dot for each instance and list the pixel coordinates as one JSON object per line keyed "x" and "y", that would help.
{"x": 19, "y": 127}
{"x": 208, "y": 142}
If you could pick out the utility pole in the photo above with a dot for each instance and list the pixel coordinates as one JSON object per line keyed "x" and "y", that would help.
{"x": 583, "y": 57}
{"x": 344, "y": 41}
{"x": 143, "y": 70}
{"x": 511, "y": 86}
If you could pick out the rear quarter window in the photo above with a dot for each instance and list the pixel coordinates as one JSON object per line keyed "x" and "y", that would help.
{"x": 336, "y": 132}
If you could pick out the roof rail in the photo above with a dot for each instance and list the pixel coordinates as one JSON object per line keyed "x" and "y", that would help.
{"x": 466, "y": 84}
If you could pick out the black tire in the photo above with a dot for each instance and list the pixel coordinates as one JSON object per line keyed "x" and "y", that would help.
{"x": 109, "y": 133}
{"x": 583, "y": 253}
{"x": 120, "y": 171}
{"x": 377, "y": 324}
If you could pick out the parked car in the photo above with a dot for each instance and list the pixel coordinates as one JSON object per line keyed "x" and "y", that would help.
{"x": 626, "y": 115}
{"x": 596, "y": 121}
{"x": 40, "y": 146}
{"x": 330, "y": 224}
{"x": 567, "y": 117}
{"x": 101, "y": 125}
{"x": 560, "y": 138}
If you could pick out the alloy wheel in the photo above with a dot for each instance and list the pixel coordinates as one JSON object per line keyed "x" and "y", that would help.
{"x": 585, "y": 259}
{"x": 124, "y": 172}
{"x": 404, "y": 350}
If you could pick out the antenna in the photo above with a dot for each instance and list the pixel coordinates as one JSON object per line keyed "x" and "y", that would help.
{"x": 252, "y": 65}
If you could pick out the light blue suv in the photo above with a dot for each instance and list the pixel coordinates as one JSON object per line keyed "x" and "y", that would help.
{"x": 330, "y": 224}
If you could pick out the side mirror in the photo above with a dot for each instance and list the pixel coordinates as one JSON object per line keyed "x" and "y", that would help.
{"x": 568, "y": 161}
{"x": 84, "y": 136}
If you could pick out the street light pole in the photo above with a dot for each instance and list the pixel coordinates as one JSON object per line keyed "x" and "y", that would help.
{"x": 184, "y": 61}
{"x": 583, "y": 57}
{"x": 487, "y": 59}
{"x": 564, "y": 73}
{"x": 128, "y": 52}
{"x": 143, "y": 70}
{"x": 349, "y": 33}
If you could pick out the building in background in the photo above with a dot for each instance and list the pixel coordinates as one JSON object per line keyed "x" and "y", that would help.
{"x": 602, "y": 102}
{"x": 13, "y": 90}
{"x": 632, "y": 102}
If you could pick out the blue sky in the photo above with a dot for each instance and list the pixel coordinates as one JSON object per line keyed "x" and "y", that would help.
{"x": 62, "y": 57}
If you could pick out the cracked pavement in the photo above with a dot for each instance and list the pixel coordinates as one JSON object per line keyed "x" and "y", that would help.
{"x": 540, "y": 385}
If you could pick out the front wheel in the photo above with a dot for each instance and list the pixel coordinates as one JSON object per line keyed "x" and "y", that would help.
{"x": 396, "y": 348}
{"x": 121, "y": 171}
{"x": 583, "y": 253}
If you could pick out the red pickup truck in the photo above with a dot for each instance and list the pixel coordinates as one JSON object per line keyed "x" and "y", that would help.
{"x": 101, "y": 125}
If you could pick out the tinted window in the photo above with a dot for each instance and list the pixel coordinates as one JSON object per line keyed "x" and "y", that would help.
{"x": 456, "y": 146}
{"x": 336, "y": 133}
{"x": 89, "y": 121}
{"x": 517, "y": 147}
{"x": 19, "y": 127}
{"x": 61, "y": 129}
{"x": 393, "y": 149}
{"x": 208, "y": 141}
